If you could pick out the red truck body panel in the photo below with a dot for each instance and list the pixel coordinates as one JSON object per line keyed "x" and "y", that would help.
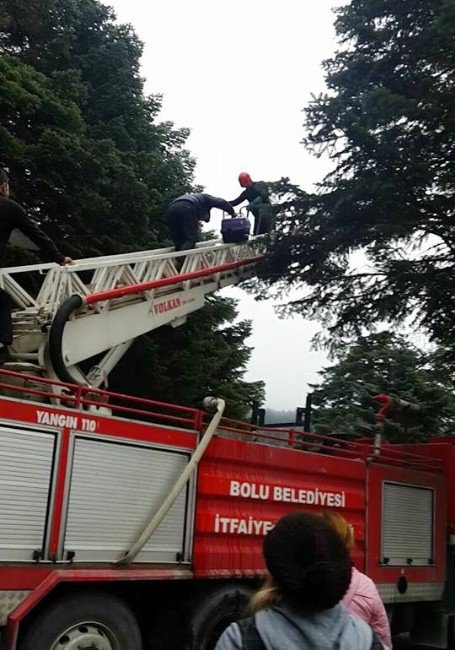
{"x": 245, "y": 481}
{"x": 244, "y": 487}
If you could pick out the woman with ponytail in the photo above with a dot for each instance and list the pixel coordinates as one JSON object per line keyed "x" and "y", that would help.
{"x": 299, "y": 608}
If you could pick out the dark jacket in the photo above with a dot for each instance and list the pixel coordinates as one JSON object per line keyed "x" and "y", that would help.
{"x": 255, "y": 192}
{"x": 13, "y": 216}
{"x": 203, "y": 203}
{"x": 282, "y": 628}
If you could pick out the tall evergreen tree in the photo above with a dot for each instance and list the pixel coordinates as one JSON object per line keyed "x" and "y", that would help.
{"x": 90, "y": 159}
{"x": 387, "y": 124}
{"x": 121, "y": 166}
{"x": 383, "y": 363}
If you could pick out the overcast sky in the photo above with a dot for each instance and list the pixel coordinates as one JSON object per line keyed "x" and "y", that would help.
{"x": 238, "y": 73}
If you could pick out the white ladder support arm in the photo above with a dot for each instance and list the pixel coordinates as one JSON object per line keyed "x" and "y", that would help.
{"x": 120, "y": 297}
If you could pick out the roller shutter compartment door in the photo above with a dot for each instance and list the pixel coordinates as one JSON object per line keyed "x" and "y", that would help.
{"x": 115, "y": 490}
{"x": 407, "y": 525}
{"x": 26, "y": 467}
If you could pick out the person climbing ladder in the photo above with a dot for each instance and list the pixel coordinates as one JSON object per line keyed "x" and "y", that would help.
{"x": 185, "y": 213}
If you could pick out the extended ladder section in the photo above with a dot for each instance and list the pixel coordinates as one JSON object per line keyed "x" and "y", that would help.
{"x": 100, "y": 305}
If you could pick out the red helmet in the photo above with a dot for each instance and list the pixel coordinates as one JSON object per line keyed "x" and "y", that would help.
{"x": 245, "y": 179}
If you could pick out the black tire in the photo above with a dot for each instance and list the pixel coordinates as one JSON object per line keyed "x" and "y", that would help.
{"x": 218, "y": 609}
{"x": 84, "y": 614}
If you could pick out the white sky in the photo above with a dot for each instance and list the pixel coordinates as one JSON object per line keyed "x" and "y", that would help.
{"x": 238, "y": 73}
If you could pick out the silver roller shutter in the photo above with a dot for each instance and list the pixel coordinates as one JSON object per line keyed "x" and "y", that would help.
{"x": 26, "y": 461}
{"x": 407, "y": 525}
{"x": 115, "y": 489}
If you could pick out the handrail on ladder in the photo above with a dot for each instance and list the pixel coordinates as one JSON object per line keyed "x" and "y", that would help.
{"x": 165, "y": 282}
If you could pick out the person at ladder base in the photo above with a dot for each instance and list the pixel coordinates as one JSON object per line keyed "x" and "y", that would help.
{"x": 257, "y": 195}
{"x": 13, "y": 216}
{"x": 185, "y": 213}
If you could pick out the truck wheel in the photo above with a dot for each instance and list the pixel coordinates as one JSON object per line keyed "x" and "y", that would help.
{"x": 215, "y": 612}
{"x": 96, "y": 621}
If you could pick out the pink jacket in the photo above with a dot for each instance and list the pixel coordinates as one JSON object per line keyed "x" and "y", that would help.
{"x": 363, "y": 599}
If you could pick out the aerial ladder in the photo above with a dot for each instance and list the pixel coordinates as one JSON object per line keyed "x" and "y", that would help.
{"x": 98, "y": 306}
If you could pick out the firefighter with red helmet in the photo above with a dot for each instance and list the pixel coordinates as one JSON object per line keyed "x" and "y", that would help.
{"x": 257, "y": 195}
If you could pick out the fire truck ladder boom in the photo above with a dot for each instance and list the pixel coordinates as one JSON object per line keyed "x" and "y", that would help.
{"x": 101, "y": 304}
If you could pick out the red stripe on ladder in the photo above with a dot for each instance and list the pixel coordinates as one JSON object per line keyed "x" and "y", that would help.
{"x": 164, "y": 282}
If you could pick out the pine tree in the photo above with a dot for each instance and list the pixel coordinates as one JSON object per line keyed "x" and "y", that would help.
{"x": 383, "y": 363}
{"x": 113, "y": 163}
{"x": 387, "y": 123}
{"x": 89, "y": 158}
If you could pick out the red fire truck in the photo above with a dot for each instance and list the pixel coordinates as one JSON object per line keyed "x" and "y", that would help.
{"x": 129, "y": 524}
{"x": 134, "y": 528}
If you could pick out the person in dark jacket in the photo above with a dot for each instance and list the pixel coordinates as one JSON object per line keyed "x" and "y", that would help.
{"x": 185, "y": 213}
{"x": 299, "y": 608}
{"x": 257, "y": 195}
{"x": 13, "y": 216}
